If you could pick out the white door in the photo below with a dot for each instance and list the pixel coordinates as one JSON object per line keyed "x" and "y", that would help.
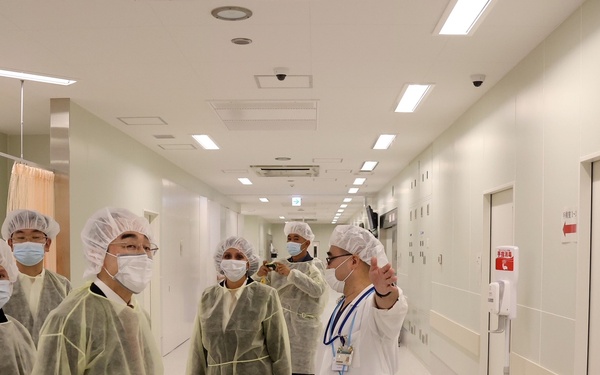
{"x": 501, "y": 234}
{"x": 594, "y": 327}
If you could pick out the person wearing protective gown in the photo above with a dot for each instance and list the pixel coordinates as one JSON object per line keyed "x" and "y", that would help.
{"x": 100, "y": 329}
{"x": 303, "y": 291}
{"x": 239, "y": 328}
{"x": 37, "y": 290}
{"x": 17, "y": 351}
{"x": 361, "y": 336}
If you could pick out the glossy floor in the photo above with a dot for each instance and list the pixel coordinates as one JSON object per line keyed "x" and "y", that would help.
{"x": 175, "y": 362}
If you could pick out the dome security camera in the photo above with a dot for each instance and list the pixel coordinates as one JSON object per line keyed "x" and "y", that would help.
{"x": 281, "y": 73}
{"x": 477, "y": 79}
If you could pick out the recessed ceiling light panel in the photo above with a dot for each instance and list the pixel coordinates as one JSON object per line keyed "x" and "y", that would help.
{"x": 231, "y": 13}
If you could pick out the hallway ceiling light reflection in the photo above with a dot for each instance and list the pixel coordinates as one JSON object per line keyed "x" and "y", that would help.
{"x": 412, "y": 97}
{"x": 37, "y": 78}
{"x": 384, "y": 141}
{"x": 206, "y": 142}
{"x": 463, "y": 16}
{"x": 369, "y": 165}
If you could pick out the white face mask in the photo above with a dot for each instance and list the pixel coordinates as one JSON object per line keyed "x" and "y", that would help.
{"x": 135, "y": 271}
{"x": 28, "y": 253}
{"x": 234, "y": 270}
{"x": 333, "y": 282}
{"x": 5, "y": 292}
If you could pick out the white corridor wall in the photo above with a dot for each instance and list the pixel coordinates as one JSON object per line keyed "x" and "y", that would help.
{"x": 532, "y": 130}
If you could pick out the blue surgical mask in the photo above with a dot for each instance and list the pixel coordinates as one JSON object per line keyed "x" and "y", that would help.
{"x": 294, "y": 248}
{"x": 29, "y": 253}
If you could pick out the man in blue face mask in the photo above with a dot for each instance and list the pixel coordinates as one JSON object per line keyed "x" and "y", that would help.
{"x": 303, "y": 292}
{"x": 37, "y": 290}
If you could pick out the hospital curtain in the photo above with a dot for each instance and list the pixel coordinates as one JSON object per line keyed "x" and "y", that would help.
{"x": 33, "y": 189}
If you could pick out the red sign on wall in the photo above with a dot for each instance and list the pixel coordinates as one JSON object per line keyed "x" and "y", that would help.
{"x": 505, "y": 260}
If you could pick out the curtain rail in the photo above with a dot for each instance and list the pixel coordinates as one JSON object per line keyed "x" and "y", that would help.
{"x": 27, "y": 162}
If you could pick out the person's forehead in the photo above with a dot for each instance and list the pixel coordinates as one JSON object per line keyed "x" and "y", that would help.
{"x": 234, "y": 251}
{"x": 296, "y": 235}
{"x": 334, "y": 250}
{"x": 27, "y": 231}
{"x": 132, "y": 235}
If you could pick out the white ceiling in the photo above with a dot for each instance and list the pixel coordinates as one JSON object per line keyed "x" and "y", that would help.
{"x": 172, "y": 59}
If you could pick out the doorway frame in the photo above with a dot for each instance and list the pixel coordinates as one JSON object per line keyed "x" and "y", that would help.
{"x": 584, "y": 247}
{"x": 484, "y": 257}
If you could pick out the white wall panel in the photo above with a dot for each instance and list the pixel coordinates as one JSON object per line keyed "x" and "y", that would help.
{"x": 557, "y": 349}
{"x": 526, "y": 329}
{"x": 181, "y": 258}
{"x": 590, "y": 76}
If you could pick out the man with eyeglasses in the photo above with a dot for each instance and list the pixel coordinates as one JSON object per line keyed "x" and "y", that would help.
{"x": 361, "y": 337}
{"x": 37, "y": 290}
{"x": 99, "y": 328}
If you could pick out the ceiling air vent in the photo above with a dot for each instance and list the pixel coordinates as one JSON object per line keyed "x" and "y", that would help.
{"x": 286, "y": 170}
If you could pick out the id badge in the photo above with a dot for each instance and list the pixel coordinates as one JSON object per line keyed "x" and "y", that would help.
{"x": 344, "y": 356}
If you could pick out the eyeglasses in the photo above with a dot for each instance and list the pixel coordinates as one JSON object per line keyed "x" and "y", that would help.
{"x": 38, "y": 238}
{"x": 329, "y": 259}
{"x": 130, "y": 247}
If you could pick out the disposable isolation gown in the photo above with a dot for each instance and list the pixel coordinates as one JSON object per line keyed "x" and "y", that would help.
{"x": 55, "y": 288}
{"x": 17, "y": 352}
{"x": 303, "y": 296}
{"x": 254, "y": 342}
{"x": 90, "y": 334}
{"x": 374, "y": 336}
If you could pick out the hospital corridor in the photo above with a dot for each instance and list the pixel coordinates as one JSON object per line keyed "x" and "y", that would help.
{"x": 194, "y": 185}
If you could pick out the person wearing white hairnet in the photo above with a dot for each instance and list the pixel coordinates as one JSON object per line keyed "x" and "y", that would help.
{"x": 99, "y": 328}
{"x": 239, "y": 328}
{"x": 17, "y": 351}
{"x": 302, "y": 288}
{"x": 37, "y": 290}
{"x": 361, "y": 336}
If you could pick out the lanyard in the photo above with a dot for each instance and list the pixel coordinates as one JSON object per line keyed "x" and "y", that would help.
{"x": 330, "y": 326}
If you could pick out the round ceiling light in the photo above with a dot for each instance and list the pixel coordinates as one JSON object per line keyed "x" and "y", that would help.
{"x": 241, "y": 41}
{"x": 231, "y": 13}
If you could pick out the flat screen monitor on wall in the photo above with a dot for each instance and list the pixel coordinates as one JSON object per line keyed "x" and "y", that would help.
{"x": 372, "y": 220}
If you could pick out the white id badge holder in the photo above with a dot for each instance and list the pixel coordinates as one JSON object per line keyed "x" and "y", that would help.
{"x": 343, "y": 358}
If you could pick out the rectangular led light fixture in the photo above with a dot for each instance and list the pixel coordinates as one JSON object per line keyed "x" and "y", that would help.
{"x": 463, "y": 16}
{"x": 347, "y": 200}
{"x": 343, "y": 205}
{"x": 282, "y": 217}
{"x": 359, "y": 181}
{"x": 245, "y": 181}
{"x": 205, "y": 141}
{"x": 384, "y": 141}
{"x": 412, "y": 97}
{"x": 352, "y": 190}
{"x": 264, "y": 200}
{"x": 369, "y": 165}
{"x": 37, "y": 78}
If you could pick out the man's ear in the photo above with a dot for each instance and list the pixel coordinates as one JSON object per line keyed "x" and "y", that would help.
{"x": 47, "y": 245}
